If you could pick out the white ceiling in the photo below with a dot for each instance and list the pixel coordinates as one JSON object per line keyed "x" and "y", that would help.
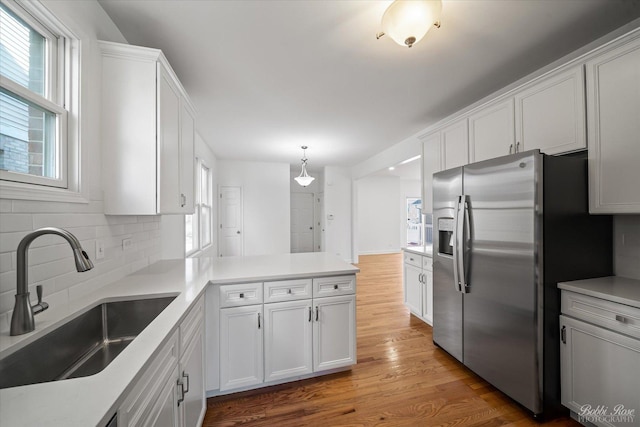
{"x": 269, "y": 76}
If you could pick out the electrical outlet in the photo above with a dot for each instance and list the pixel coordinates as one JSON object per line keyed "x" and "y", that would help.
{"x": 126, "y": 244}
{"x": 99, "y": 249}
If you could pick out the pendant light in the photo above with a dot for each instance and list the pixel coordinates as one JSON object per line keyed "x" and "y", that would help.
{"x": 407, "y": 21}
{"x": 304, "y": 178}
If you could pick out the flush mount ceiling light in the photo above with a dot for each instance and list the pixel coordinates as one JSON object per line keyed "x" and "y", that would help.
{"x": 407, "y": 21}
{"x": 304, "y": 178}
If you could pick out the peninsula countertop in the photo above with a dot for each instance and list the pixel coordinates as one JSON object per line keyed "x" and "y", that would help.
{"x": 92, "y": 400}
{"x": 613, "y": 288}
{"x": 426, "y": 250}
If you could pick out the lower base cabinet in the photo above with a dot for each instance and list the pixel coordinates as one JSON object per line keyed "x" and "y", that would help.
{"x": 417, "y": 273}
{"x": 171, "y": 391}
{"x": 293, "y": 333}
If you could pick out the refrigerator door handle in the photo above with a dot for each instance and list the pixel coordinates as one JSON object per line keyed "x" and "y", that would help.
{"x": 465, "y": 231}
{"x": 456, "y": 244}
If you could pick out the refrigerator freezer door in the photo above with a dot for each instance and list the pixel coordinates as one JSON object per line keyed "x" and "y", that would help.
{"x": 501, "y": 316}
{"x": 447, "y": 300}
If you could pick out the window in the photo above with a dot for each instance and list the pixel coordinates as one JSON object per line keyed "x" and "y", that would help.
{"x": 33, "y": 146}
{"x": 198, "y": 231}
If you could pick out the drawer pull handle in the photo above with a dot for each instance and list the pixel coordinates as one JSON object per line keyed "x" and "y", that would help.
{"x": 335, "y": 287}
{"x": 411, "y": 259}
{"x": 259, "y": 325}
{"x": 310, "y": 311}
{"x": 621, "y": 319}
{"x": 241, "y": 295}
{"x": 289, "y": 291}
{"x": 317, "y": 313}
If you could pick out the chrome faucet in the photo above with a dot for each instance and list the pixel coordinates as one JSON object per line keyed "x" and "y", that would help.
{"x": 22, "y": 320}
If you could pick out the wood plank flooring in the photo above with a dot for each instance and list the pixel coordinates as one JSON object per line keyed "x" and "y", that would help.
{"x": 401, "y": 378}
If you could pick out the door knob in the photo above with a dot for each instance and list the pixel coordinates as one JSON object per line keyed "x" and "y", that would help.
{"x": 238, "y": 232}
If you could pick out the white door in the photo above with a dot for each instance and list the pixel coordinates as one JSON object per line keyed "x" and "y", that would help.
{"x": 287, "y": 339}
{"x": 302, "y": 222}
{"x": 230, "y": 214}
{"x": 192, "y": 409}
{"x": 491, "y": 131}
{"x": 165, "y": 408}
{"x": 241, "y": 354}
{"x": 455, "y": 144}
{"x": 187, "y": 158}
{"x": 431, "y": 163}
{"x": 334, "y": 332}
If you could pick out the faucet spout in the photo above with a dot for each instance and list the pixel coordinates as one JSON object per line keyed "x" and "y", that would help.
{"x": 22, "y": 320}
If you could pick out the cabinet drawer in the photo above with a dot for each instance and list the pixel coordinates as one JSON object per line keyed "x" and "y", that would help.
{"x": 427, "y": 263}
{"x": 242, "y": 294}
{"x": 611, "y": 315}
{"x": 413, "y": 259}
{"x": 287, "y": 290}
{"x": 191, "y": 323}
{"x": 337, "y": 285}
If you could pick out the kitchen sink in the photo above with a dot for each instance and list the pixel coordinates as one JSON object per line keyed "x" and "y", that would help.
{"x": 84, "y": 345}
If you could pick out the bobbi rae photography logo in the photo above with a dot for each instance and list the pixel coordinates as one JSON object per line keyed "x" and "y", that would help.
{"x": 602, "y": 413}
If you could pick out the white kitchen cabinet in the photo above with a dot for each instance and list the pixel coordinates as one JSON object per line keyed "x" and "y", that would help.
{"x": 149, "y": 128}
{"x": 550, "y": 113}
{"x": 613, "y": 117}
{"x": 334, "y": 332}
{"x": 492, "y": 131}
{"x": 454, "y": 144}
{"x": 154, "y": 397}
{"x": 288, "y": 339}
{"x": 192, "y": 406}
{"x": 431, "y": 163}
{"x": 418, "y": 286}
{"x": 241, "y": 347}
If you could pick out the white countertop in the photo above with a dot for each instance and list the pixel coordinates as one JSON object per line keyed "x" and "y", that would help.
{"x": 612, "y": 288}
{"x": 93, "y": 400}
{"x": 426, "y": 250}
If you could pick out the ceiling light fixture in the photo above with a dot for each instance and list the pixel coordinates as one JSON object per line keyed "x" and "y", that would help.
{"x": 407, "y": 21}
{"x": 304, "y": 178}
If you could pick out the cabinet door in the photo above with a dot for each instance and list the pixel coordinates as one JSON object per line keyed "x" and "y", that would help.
{"x": 427, "y": 296}
{"x": 287, "y": 335}
{"x": 168, "y": 143}
{"x": 187, "y": 157}
{"x": 492, "y": 131}
{"x": 334, "y": 332}
{"x": 165, "y": 409}
{"x": 413, "y": 289}
{"x": 550, "y": 114}
{"x": 431, "y": 163}
{"x": 613, "y": 91}
{"x": 193, "y": 407}
{"x": 241, "y": 353}
{"x": 455, "y": 145}
{"x": 598, "y": 368}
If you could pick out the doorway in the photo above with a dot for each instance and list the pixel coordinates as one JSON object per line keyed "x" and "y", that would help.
{"x": 414, "y": 221}
{"x": 302, "y": 222}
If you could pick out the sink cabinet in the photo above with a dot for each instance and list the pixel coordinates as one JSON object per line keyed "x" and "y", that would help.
{"x": 279, "y": 331}
{"x": 171, "y": 390}
{"x": 149, "y": 123}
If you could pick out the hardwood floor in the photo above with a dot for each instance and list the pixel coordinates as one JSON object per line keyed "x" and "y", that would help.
{"x": 401, "y": 378}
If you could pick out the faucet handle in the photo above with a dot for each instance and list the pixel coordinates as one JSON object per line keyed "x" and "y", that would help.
{"x": 40, "y": 306}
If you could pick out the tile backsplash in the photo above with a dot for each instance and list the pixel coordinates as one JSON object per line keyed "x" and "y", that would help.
{"x": 627, "y": 246}
{"x": 50, "y": 257}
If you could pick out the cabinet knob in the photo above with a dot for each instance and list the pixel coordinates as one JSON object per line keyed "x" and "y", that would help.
{"x": 621, "y": 319}
{"x": 335, "y": 287}
{"x": 241, "y": 295}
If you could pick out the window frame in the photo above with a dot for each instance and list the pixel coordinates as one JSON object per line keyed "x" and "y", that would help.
{"x": 196, "y": 217}
{"x": 62, "y": 98}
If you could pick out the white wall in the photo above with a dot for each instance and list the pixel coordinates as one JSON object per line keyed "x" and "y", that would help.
{"x": 627, "y": 250}
{"x": 338, "y": 204}
{"x": 379, "y": 214}
{"x": 50, "y": 260}
{"x": 266, "y": 203}
{"x": 408, "y": 188}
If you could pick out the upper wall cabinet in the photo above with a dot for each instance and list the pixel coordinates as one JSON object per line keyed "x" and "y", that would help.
{"x": 613, "y": 116}
{"x": 148, "y": 134}
{"x": 491, "y": 131}
{"x": 550, "y": 113}
{"x": 454, "y": 144}
{"x": 430, "y": 164}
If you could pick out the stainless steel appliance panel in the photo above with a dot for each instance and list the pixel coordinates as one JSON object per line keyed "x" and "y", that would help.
{"x": 501, "y": 314}
{"x": 447, "y": 300}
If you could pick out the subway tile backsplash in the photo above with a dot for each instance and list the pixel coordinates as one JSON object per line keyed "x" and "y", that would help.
{"x": 50, "y": 258}
{"x": 627, "y": 245}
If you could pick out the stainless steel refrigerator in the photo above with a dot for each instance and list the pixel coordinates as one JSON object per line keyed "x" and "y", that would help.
{"x": 506, "y": 231}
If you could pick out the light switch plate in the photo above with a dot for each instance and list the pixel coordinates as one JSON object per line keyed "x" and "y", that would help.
{"x": 126, "y": 244}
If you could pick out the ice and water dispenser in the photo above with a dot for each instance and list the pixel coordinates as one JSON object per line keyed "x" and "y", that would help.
{"x": 445, "y": 236}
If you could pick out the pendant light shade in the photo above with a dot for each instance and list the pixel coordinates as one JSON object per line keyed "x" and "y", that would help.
{"x": 304, "y": 178}
{"x": 407, "y": 21}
